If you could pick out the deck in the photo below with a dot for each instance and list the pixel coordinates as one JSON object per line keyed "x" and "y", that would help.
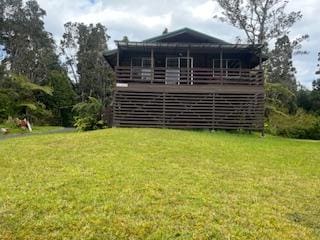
{"x": 189, "y": 76}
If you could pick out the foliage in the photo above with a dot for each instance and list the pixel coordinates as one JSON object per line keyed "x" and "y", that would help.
{"x": 318, "y": 70}
{"x": 88, "y": 114}
{"x": 18, "y": 99}
{"x": 300, "y": 125}
{"x": 62, "y": 99}
{"x": 310, "y": 100}
{"x": 133, "y": 184}
{"x": 261, "y": 20}
{"x": 30, "y": 49}
{"x": 86, "y": 45}
{"x": 279, "y": 99}
{"x": 280, "y": 68}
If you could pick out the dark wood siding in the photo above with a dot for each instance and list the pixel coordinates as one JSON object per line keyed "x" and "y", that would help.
{"x": 184, "y": 107}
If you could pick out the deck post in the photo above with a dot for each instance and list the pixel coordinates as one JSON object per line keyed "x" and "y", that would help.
{"x": 261, "y": 72}
{"x": 118, "y": 58}
{"x": 152, "y": 65}
{"x": 188, "y": 66}
{"x": 221, "y": 63}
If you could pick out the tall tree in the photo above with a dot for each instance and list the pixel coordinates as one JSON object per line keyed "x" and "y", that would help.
{"x": 62, "y": 99}
{"x": 280, "y": 67}
{"x": 30, "y": 49}
{"x": 88, "y": 43}
{"x": 264, "y": 21}
{"x": 318, "y": 66}
{"x": 260, "y": 20}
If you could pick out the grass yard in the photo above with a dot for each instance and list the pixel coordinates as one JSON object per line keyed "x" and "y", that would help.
{"x": 35, "y": 129}
{"x": 159, "y": 184}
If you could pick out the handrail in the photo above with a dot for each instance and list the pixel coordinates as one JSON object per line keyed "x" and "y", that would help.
{"x": 192, "y": 76}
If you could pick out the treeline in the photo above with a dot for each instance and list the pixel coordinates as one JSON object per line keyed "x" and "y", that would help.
{"x": 41, "y": 80}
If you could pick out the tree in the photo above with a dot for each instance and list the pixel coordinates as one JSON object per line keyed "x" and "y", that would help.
{"x": 125, "y": 39}
{"x": 260, "y": 20}
{"x": 280, "y": 67}
{"x": 30, "y": 49}
{"x": 263, "y": 21}
{"x": 318, "y": 71}
{"x": 69, "y": 48}
{"x": 88, "y": 43}
{"x": 88, "y": 114}
{"x": 18, "y": 99}
{"x": 304, "y": 100}
{"x": 315, "y": 96}
{"x": 63, "y": 98}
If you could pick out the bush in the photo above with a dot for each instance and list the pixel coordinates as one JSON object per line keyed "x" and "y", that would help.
{"x": 88, "y": 115}
{"x": 300, "y": 125}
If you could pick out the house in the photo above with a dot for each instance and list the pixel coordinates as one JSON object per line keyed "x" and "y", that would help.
{"x": 187, "y": 79}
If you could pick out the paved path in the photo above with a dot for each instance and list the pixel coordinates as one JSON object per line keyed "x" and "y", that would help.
{"x": 17, "y": 135}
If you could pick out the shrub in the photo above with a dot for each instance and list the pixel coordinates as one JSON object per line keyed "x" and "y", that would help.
{"x": 88, "y": 115}
{"x": 300, "y": 125}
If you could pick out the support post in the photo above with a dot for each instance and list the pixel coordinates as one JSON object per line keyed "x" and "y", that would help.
{"x": 188, "y": 66}
{"x": 118, "y": 58}
{"x": 118, "y": 63}
{"x": 163, "y": 110}
{"x": 152, "y": 65}
{"x": 221, "y": 63}
{"x": 262, "y": 79}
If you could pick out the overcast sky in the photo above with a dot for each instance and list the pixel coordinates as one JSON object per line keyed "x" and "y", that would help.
{"x": 141, "y": 19}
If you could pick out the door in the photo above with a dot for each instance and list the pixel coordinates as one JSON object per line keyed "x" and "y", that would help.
{"x": 146, "y": 70}
{"x": 172, "y": 70}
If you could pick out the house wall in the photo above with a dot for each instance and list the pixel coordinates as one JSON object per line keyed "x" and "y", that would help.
{"x": 200, "y": 60}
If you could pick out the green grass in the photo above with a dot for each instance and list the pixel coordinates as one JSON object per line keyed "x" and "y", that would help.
{"x": 35, "y": 129}
{"x": 159, "y": 184}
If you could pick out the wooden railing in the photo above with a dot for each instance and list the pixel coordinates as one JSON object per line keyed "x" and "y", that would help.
{"x": 191, "y": 76}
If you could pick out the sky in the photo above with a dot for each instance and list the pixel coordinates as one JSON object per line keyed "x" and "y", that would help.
{"x": 142, "y": 19}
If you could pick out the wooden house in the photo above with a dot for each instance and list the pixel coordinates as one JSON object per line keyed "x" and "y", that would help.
{"x": 187, "y": 79}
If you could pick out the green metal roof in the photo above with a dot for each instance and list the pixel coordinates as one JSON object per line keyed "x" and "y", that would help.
{"x": 203, "y": 37}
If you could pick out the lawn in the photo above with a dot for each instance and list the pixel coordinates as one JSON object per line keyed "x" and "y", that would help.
{"x": 159, "y": 184}
{"x": 35, "y": 129}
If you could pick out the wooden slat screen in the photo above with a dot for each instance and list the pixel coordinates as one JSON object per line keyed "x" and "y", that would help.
{"x": 189, "y": 110}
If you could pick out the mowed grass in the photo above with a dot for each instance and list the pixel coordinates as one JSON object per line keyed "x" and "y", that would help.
{"x": 159, "y": 184}
{"x": 35, "y": 129}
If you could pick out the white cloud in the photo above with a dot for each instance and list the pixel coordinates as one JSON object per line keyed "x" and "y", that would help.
{"x": 141, "y": 19}
{"x": 204, "y": 11}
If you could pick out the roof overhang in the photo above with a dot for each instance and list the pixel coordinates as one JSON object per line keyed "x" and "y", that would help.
{"x": 148, "y": 45}
{"x": 111, "y": 55}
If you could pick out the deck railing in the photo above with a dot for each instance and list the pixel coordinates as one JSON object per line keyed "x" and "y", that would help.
{"x": 191, "y": 76}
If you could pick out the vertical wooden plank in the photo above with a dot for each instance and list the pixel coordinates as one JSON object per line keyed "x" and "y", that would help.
{"x": 213, "y": 111}
{"x": 163, "y": 109}
{"x": 152, "y": 65}
{"x": 118, "y": 57}
{"x": 188, "y": 67}
{"x": 221, "y": 63}
{"x": 262, "y": 79}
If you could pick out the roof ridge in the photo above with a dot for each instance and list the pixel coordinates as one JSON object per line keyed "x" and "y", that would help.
{"x": 184, "y": 30}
